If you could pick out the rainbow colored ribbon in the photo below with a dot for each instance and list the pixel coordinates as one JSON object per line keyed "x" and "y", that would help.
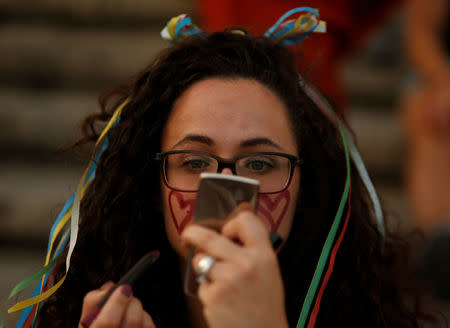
{"x": 349, "y": 149}
{"x": 285, "y": 31}
{"x": 179, "y": 28}
{"x": 288, "y": 32}
{"x": 70, "y": 211}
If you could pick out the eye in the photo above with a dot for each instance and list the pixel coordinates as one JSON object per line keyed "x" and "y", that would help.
{"x": 197, "y": 164}
{"x": 258, "y": 164}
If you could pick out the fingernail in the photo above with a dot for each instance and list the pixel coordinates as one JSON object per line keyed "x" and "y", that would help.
{"x": 87, "y": 321}
{"x": 106, "y": 285}
{"x": 276, "y": 240}
{"x": 126, "y": 290}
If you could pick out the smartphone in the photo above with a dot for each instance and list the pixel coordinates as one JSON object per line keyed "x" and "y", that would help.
{"x": 218, "y": 195}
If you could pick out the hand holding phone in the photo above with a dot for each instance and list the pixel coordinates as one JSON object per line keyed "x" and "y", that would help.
{"x": 218, "y": 196}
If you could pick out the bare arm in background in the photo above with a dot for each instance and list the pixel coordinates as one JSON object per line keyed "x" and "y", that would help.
{"x": 424, "y": 25}
{"x": 426, "y": 113}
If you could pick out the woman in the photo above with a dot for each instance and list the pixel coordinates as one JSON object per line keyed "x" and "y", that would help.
{"x": 227, "y": 94}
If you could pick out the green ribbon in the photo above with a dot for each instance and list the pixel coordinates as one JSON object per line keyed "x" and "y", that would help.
{"x": 25, "y": 283}
{"x": 312, "y": 290}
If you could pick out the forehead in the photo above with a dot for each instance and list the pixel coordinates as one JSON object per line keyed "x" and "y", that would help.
{"x": 229, "y": 111}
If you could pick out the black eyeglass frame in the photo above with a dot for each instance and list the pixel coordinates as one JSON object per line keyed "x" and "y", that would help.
{"x": 227, "y": 163}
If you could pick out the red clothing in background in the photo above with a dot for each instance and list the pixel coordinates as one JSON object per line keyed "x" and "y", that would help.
{"x": 348, "y": 23}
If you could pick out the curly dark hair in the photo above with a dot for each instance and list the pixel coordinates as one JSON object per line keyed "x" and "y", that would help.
{"x": 122, "y": 216}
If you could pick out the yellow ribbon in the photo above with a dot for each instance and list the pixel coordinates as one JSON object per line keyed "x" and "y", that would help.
{"x": 298, "y": 26}
{"x": 39, "y": 298}
{"x": 171, "y": 26}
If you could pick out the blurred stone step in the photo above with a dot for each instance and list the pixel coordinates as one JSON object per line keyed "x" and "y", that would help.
{"x": 373, "y": 86}
{"x": 380, "y": 140}
{"x": 42, "y": 120}
{"x": 88, "y": 58}
{"x": 31, "y": 198}
{"x": 130, "y": 12}
{"x": 49, "y": 57}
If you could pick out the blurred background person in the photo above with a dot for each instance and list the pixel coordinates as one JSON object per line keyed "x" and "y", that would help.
{"x": 426, "y": 119}
{"x": 426, "y": 111}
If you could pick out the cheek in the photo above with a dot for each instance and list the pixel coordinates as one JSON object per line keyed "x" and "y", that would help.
{"x": 278, "y": 209}
{"x": 178, "y": 212}
{"x": 179, "y": 209}
{"x": 274, "y": 207}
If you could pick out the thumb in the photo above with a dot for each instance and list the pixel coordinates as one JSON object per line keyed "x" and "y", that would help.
{"x": 244, "y": 225}
{"x": 94, "y": 297}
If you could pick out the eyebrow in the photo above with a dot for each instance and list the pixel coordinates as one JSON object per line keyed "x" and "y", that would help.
{"x": 195, "y": 138}
{"x": 260, "y": 141}
{"x": 202, "y": 139}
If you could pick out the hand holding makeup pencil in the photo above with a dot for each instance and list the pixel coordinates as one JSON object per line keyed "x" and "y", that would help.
{"x": 113, "y": 305}
{"x": 122, "y": 309}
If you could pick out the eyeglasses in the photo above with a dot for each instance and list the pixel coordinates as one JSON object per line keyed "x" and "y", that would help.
{"x": 182, "y": 168}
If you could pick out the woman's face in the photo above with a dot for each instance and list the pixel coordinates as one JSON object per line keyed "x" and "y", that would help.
{"x": 228, "y": 118}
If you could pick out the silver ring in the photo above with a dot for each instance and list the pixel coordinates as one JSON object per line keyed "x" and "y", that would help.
{"x": 204, "y": 267}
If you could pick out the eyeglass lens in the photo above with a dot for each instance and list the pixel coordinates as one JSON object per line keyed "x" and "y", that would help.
{"x": 182, "y": 170}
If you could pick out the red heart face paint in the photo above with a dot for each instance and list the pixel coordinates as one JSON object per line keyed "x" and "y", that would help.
{"x": 181, "y": 208}
{"x": 273, "y": 207}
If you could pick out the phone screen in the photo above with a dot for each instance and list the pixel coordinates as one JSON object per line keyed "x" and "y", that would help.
{"x": 217, "y": 197}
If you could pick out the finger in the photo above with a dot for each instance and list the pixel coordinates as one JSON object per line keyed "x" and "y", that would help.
{"x": 244, "y": 206}
{"x": 217, "y": 271}
{"x": 94, "y": 297}
{"x": 113, "y": 311}
{"x": 210, "y": 242}
{"x": 196, "y": 263}
{"x": 134, "y": 314}
{"x": 248, "y": 229}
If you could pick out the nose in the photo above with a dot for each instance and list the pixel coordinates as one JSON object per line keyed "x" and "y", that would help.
{"x": 227, "y": 170}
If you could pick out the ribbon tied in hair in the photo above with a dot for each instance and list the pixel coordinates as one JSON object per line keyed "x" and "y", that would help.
{"x": 286, "y": 31}
{"x": 180, "y": 27}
